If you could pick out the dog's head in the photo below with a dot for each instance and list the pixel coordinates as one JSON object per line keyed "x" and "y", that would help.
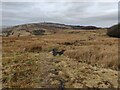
{"x": 54, "y": 49}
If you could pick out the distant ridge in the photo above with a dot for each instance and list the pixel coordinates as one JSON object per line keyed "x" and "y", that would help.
{"x": 48, "y": 26}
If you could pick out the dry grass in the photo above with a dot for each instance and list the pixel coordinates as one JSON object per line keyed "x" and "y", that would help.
{"x": 18, "y": 70}
{"x": 100, "y": 55}
{"x": 89, "y": 47}
{"x": 100, "y": 50}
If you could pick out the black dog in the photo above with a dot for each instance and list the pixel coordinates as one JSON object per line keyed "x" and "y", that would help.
{"x": 55, "y": 52}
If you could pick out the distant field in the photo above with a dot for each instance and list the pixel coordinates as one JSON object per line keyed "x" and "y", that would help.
{"x": 90, "y": 60}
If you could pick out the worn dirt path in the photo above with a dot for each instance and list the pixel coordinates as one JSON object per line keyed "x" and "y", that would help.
{"x": 53, "y": 70}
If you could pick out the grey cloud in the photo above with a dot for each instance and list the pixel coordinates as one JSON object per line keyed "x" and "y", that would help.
{"x": 82, "y": 13}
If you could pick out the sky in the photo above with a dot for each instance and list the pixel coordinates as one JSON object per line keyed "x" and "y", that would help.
{"x": 103, "y": 14}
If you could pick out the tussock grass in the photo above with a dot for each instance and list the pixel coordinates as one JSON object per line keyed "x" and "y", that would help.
{"x": 23, "y": 56}
{"x": 100, "y": 56}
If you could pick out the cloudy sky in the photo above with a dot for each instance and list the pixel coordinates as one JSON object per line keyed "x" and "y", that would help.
{"x": 78, "y": 13}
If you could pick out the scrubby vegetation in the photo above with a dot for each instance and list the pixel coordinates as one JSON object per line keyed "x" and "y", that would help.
{"x": 114, "y": 31}
{"x": 38, "y": 32}
{"x": 90, "y": 60}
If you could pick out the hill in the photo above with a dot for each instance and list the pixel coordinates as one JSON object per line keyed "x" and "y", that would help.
{"x": 29, "y": 29}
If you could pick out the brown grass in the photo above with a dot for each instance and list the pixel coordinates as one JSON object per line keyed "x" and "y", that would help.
{"x": 96, "y": 55}
{"x": 89, "y": 47}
